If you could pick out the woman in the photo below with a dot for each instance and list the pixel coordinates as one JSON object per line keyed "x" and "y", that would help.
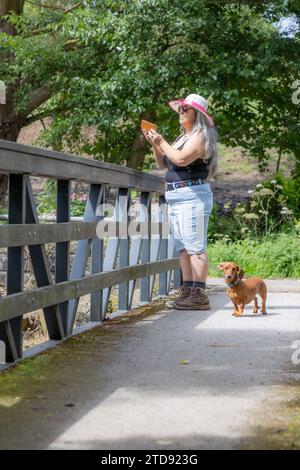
{"x": 191, "y": 161}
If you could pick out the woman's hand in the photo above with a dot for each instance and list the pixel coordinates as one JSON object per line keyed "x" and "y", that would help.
{"x": 152, "y": 137}
{"x": 155, "y": 137}
{"x": 146, "y": 135}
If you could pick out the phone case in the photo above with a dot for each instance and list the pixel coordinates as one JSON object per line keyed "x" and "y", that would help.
{"x": 147, "y": 126}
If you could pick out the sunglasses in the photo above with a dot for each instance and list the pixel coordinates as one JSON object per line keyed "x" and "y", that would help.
{"x": 184, "y": 108}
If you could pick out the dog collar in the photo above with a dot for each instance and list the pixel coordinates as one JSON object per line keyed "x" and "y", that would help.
{"x": 234, "y": 284}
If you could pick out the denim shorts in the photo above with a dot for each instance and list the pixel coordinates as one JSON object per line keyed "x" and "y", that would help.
{"x": 189, "y": 209}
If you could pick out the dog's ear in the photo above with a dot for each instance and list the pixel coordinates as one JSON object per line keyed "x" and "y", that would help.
{"x": 220, "y": 267}
{"x": 241, "y": 272}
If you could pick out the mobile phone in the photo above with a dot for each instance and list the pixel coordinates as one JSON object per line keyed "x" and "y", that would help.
{"x": 147, "y": 126}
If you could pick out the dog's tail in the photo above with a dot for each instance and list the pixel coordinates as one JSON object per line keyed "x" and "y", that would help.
{"x": 263, "y": 293}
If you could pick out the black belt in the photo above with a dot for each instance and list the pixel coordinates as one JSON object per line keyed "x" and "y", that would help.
{"x": 183, "y": 184}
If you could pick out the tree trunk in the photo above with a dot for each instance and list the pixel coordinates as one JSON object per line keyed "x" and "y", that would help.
{"x": 9, "y": 126}
{"x": 140, "y": 146}
{"x": 139, "y": 149}
{"x": 7, "y": 6}
{"x": 278, "y": 161}
{"x": 3, "y": 188}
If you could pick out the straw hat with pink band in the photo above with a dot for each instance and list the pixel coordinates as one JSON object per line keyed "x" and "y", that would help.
{"x": 196, "y": 101}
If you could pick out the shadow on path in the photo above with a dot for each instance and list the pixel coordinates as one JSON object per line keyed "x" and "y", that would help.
{"x": 124, "y": 385}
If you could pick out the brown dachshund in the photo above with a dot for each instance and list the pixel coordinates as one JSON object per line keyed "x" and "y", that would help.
{"x": 243, "y": 292}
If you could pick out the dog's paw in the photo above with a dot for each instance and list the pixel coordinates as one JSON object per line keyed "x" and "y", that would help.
{"x": 238, "y": 314}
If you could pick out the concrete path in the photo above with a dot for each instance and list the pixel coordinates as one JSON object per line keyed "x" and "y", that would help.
{"x": 169, "y": 380}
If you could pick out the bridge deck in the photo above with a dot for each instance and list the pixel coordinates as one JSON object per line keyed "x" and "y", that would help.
{"x": 124, "y": 386}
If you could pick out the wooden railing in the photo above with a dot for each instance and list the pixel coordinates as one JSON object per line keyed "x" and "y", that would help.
{"x": 115, "y": 260}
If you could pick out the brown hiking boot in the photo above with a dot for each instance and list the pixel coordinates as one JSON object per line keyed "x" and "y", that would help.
{"x": 198, "y": 300}
{"x": 184, "y": 293}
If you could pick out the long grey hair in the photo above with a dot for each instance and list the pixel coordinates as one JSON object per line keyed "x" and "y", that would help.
{"x": 201, "y": 124}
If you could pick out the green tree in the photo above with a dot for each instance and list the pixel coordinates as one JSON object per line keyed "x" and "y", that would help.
{"x": 109, "y": 64}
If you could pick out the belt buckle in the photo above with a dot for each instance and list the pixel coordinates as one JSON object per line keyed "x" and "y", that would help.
{"x": 171, "y": 186}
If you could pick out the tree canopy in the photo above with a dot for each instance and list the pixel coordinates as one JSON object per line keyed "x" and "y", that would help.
{"x": 109, "y": 64}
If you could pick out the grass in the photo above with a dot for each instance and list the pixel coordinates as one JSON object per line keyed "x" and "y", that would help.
{"x": 234, "y": 162}
{"x": 231, "y": 160}
{"x": 277, "y": 256}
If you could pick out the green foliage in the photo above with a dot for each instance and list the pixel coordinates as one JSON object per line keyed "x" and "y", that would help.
{"x": 222, "y": 227}
{"x": 291, "y": 191}
{"x": 265, "y": 212}
{"x": 78, "y": 205}
{"x": 46, "y": 199}
{"x": 274, "y": 256}
{"x": 3, "y": 211}
{"x": 273, "y": 206}
{"x": 108, "y": 64}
